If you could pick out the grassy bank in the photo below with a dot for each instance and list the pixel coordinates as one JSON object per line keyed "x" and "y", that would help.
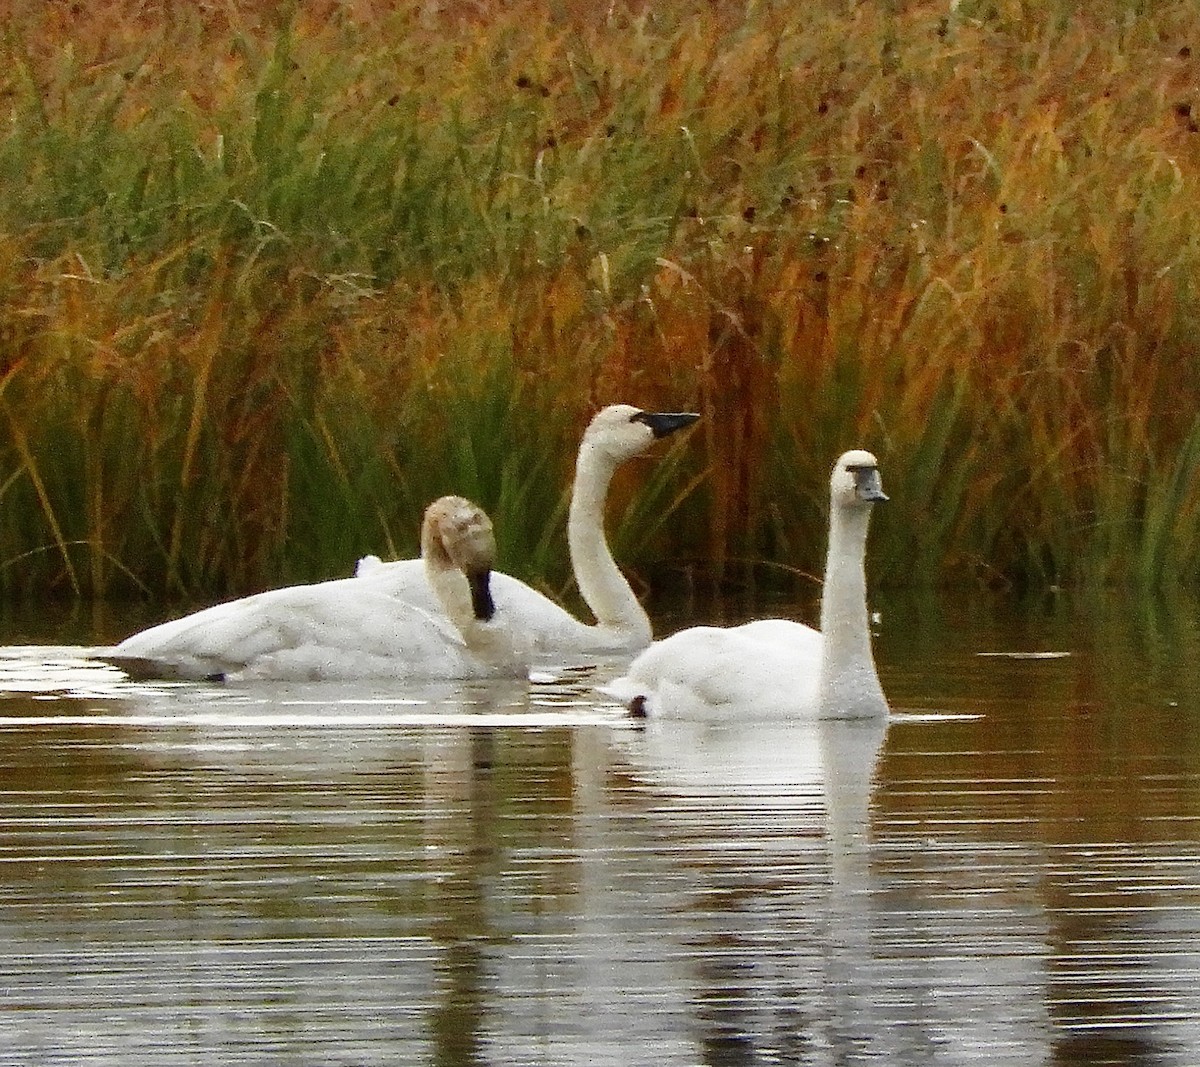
{"x": 273, "y": 276}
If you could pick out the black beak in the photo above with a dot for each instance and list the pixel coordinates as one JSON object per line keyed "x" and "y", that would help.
{"x": 481, "y": 595}
{"x": 663, "y": 423}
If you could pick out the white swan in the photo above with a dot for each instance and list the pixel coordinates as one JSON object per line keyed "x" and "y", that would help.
{"x": 617, "y": 433}
{"x": 345, "y": 629}
{"x": 774, "y": 668}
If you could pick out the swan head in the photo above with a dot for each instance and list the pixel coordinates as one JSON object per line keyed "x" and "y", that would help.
{"x": 622, "y": 431}
{"x": 855, "y": 481}
{"x": 457, "y": 535}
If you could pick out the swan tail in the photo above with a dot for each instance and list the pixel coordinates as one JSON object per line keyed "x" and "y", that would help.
{"x": 149, "y": 669}
{"x": 367, "y": 566}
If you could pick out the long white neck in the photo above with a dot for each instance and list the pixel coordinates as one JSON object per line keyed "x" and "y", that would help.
{"x": 600, "y": 581}
{"x": 849, "y": 686}
{"x": 453, "y": 592}
{"x": 501, "y": 646}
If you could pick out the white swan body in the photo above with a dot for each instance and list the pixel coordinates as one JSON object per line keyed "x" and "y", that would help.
{"x": 344, "y": 629}
{"x": 775, "y": 668}
{"x": 617, "y": 433}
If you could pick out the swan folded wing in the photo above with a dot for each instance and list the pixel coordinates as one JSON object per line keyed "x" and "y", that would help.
{"x": 371, "y": 636}
{"x": 330, "y": 630}
{"x": 708, "y": 671}
{"x": 795, "y": 637}
{"x": 698, "y": 666}
{"x": 205, "y": 644}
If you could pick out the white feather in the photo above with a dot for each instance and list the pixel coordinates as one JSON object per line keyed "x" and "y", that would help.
{"x": 616, "y": 434}
{"x": 346, "y": 629}
{"x": 776, "y": 668}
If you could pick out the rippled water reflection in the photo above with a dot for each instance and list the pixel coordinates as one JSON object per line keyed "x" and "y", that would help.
{"x": 1009, "y": 872}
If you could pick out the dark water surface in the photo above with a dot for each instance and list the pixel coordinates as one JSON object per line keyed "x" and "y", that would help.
{"x": 1007, "y": 873}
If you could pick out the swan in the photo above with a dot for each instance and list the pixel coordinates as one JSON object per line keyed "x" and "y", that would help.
{"x": 616, "y": 434}
{"x": 775, "y": 668}
{"x": 345, "y": 629}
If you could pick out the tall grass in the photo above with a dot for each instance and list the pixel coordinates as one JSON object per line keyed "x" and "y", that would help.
{"x": 273, "y": 275}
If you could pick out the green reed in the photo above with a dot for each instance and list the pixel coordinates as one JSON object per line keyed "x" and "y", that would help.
{"x": 273, "y": 276}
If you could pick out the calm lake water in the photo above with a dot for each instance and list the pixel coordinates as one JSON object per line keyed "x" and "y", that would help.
{"x": 1008, "y": 872}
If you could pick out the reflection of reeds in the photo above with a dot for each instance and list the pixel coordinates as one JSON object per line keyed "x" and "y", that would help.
{"x": 272, "y": 277}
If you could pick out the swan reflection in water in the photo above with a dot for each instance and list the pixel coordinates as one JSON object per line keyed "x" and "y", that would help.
{"x": 462, "y": 873}
{"x": 723, "y": 888}
{"x": 335, "y": 850}
{"x": 193, "y": 863}
{"x": 800, "y": 936}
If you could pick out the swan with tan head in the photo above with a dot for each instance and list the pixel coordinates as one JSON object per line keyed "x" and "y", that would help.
{"x": 616, "y": 434}
{"x": 345, "y": 629}
{"x": 776, "y": 668}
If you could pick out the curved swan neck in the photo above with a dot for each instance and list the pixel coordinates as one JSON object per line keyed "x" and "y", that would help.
{"x": 496, "y": 644}
{"x": 849, "y": 685}
{"x": 458, "y": 547}
{"x": 601, "y": 583}
{"x": 452, "y": 590}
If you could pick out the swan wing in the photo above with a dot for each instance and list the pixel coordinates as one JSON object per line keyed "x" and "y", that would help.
{"x": 336, "y": 629}
{"x": 713, "y": 672}
{"x": 800, "y": 640}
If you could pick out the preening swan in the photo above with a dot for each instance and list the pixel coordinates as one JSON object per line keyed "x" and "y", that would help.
{"x": 774, "y": 667}
{"x": 617, "y": 433}
{"x": 346, "y": 629}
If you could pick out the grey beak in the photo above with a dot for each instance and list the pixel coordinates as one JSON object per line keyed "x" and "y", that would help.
{"x": 664, "y": 423}
{"x": 867, "y": 484}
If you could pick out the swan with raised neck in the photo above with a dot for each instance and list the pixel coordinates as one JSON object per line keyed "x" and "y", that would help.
{"x": 777, "y": 668}
{"x": 615, "y": 435}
